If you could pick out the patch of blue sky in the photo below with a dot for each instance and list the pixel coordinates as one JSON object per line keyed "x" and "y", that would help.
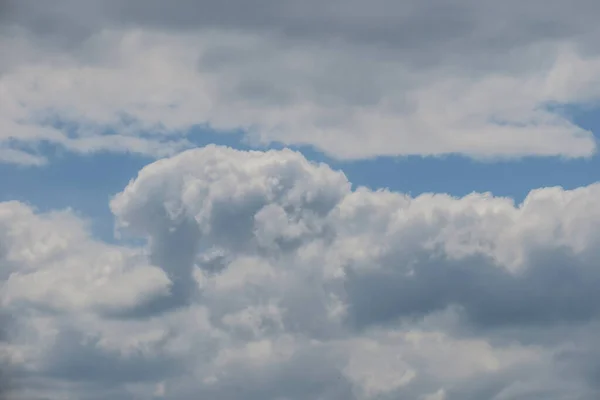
{"x": 459, "y": 175}
{"x": 85, "y": 183}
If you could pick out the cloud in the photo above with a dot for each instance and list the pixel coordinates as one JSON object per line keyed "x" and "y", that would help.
{"x": 353, "y": 80}
{"x": 265, "y": 275}
{"x": 432, "y": 23}
{"x": 5, "y": 372}
{"x": 420, "y": 255}
{"x": 48, "y": 264}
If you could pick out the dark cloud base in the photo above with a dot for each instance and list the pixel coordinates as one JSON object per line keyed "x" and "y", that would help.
{"x": 6, "y": 383}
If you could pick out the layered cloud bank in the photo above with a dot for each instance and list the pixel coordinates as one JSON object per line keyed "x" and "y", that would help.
{"x": 265, "y": 276}
{"x": 354, "y": 79}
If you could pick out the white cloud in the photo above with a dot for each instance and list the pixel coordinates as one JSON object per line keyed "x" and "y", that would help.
{"x": 462, "y": 83}
{"x": 53, "y": 266}
{"x": 267, "y": 276}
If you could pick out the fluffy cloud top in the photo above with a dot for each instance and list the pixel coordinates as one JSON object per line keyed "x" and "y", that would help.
{"x": 354, "y": 79}
{"x": 266, "y": 276}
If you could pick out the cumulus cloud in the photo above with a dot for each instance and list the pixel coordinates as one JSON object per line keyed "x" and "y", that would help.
{"x": 354, "y": 79}
{"x": 47, "y": 265}
{"x": 266, "y": 276}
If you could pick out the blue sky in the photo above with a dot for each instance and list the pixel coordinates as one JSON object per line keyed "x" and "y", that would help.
{"x": 86, "y": 182}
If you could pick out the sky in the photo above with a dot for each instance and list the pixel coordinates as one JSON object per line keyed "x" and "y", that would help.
{"x": 293, "y": 200}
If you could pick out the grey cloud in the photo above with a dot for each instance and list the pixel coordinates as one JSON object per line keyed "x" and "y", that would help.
{"x": 6, "y": 372}
{"x": 552, "y": 288}
{"x": 555, "y": 288}
{"x": 318, "y": 291}
{"x": 433, "y": 19}
{"x": 554, "y": 284}
{"x": 424, "y": 32}
{"x": 354, "y": 79}
{"x": 311, "y": 373}
{"x": 77, "y": 358}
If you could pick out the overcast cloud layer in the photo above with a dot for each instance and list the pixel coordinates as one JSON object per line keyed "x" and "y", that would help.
{"x": 355, "y": 79}
{"x": 266, "y": 276}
